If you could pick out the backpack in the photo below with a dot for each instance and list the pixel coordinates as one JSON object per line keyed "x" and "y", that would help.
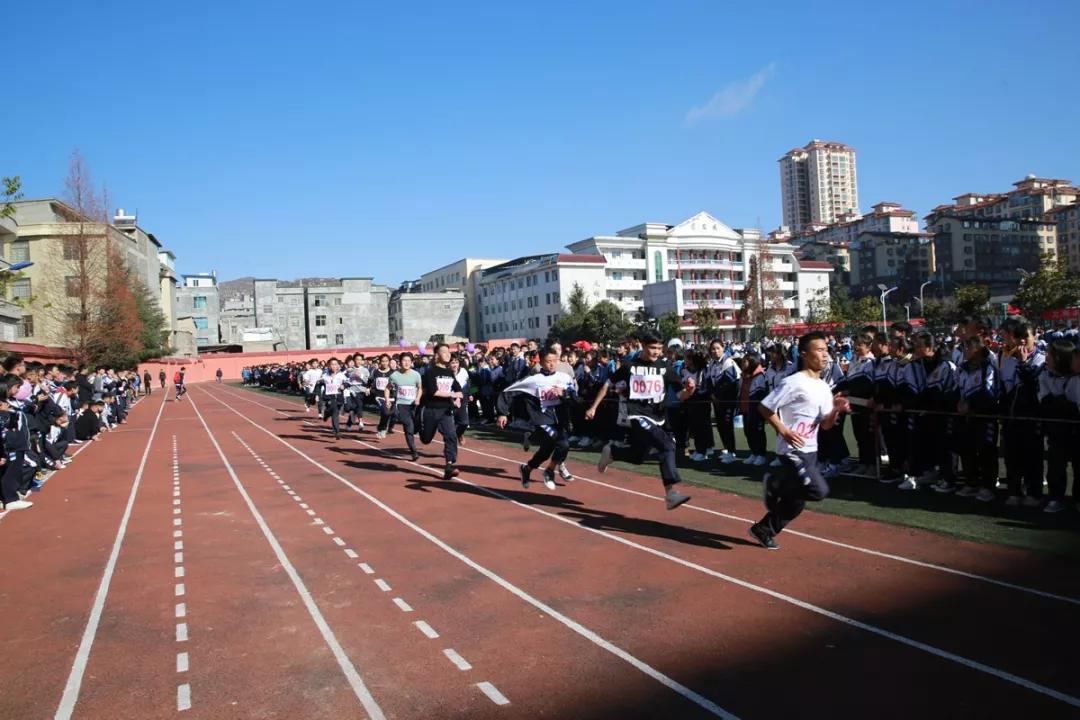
{"x": 177, "y": 378}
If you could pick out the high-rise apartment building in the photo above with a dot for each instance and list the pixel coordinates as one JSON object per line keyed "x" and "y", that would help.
{"x": 818, "y": 184}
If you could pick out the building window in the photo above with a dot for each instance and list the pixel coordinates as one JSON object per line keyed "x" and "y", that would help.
{"x": 20, "y": 289}
{"x": 320, "y": 321}
{"x": 72, "y": 249}
{"x": 281, "y": 298}
{"x": 73, "y": 285}
{"x": 20, "y": 251}
{"x": 320, "y": 341}
{"x": 198, "y": 302}
{"x": 339, "y": 339}
{"x": 341, "y": 321}
{"x": 294, "y": 322}
{"x": 26, "y": 327}
{"x": 337, "y": 301}
{"x": 320, "y": 300}
{"x": 268, "y": 309}
{"x": 658, "y": 261}
{"x": 201, "y": 323}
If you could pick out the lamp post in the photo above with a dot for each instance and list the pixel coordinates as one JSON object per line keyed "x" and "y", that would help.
{"x": 907, "y": 306}
{"x": 921, "y": 304}
{"x": 884, "y": 293}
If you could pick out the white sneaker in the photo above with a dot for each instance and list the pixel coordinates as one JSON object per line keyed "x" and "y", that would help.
{"x": 986, "y": 495}
{"x": 1031, "y": 502}
{"x": 1054, "y": 506}
{"x": 775, "y": 463}
{"x": 727, "y": 458}
{"x": 759, "y": 460}
{"x": 698, "y": 457}
{"x": 381, "y": 434}
{"x": 908, "y": 483}
{"x": 18, "y": 505}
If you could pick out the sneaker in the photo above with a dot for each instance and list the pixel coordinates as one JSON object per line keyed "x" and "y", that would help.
{"x": 549, "y": 479}
{"x": 605, "y": 458}
{"x": 967, "y": 491}
{"x": 415, "y": 456}
{"x": 573, "y": 440}
{"x": 763, "y": 537}
{"x": 1054, "y": 506}
{"x": 759, "y": 460}
{"x": 746, "y": 460}
{"x": 944, "y": 486}
{"x": 775, "y": 463}
{"x": 381, "y": 434}
{"x": 727, "y": 458}
{"x": 564, "y": 473}
{"x": 1013, "y": 501}
{"x": 698, "y": 457}
{"x": 1031, "y": 502}
{"x": 830, "y": 471}
{"x": 450, "y": 472}
{"x": 674, "y": 498}
{"x": 526, "y": 443}
{"x": 524, "y": 471}
{"x": 908, "y": 483}
{"x": 18, "y": 505}
{"x": 986, "y": 495}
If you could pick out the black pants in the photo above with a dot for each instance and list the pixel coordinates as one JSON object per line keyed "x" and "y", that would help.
{"x": 11, "y": 481}
{"x": 754, "y": 429}
{"x": 1059, "y": 444}
{"x": 386, "y": 416}
{"x": 724, "y": 411}
{"x": 832, "y": 447}
{"x": 698, "y": 420}
{"x": 1022, "y": 442}
{"x": 979, "y": 453}
{"x": 643, "y": 436}
{"x": 789, "y": 487}
{"x": 895, "y": 433}
{"x": 554, "y": 445}
{"x": 332, "y": 411}
{"x": 441, "y": 420}
{"x": 862, "y": 427}
{"x": 406, "y": 415}
{"x": 461, "y": 420}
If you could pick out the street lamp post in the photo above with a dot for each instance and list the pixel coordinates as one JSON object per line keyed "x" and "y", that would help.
{"x": 907, "y": 306}
{"x": 884, "y": 315}
{"x": 922, "y": 306}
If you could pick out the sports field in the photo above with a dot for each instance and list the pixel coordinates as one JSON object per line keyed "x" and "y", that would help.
{"x": 233, "y": 560}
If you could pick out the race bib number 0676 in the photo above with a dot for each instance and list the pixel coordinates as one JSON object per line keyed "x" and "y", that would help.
{"x": 646, "y": 387}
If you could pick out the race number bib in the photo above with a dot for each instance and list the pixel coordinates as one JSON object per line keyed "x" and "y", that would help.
{"x": 549, "y": 396}
{"x": 647, "y": 387}
{"x": 406, "y": 393}
{"x": 380, "y": 383}
{"x": 445, "y": 384}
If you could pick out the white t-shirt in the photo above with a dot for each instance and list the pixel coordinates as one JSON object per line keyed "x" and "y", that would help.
{"x": 310, "y": 377}
{"x": 802, "y": 403}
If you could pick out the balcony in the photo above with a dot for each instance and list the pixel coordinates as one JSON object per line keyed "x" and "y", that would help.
{"x": 692, "y": 304}
{"x": 625, "y": 263}
{"x": 714, "y": 283}
{"x": 624, "y": 284}
{"x": 709, "y": 263}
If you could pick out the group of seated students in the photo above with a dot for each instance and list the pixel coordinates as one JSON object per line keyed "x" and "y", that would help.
{"x": 45, "y": 409}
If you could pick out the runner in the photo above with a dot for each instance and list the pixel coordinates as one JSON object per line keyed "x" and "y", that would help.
{"x": 644, "y": 382}
{"x": 408, "y": 390}
{"x": 801, "y": 405}
{"x": 308, "y": 380}
{"x": 380, "y": 380}
{"x": 542, "y": 396}
{"x": 178, "y": 380}
{"x": 358, "y": 378}
{"x": 442, "y": 398}
{"x": 333, "y": 394}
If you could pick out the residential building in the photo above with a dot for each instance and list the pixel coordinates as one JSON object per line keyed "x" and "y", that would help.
{"x": 884, "y": 217}
{"x": 710, "y": 258}
{"x": 47, "y": 232}
{"x": 315, "y": 314}
{"x": 198, "y": 299}
{"x": 904, "y": 260}
{"x": 837, "y": 254}
{"x": 460, "y": 275}
{"x": 1067, "y": 218}
{"x": 168, "y": 281}
{"x": 237, "y": 317}
{"x": 418, "y": 316}
{"x": 818, "y": 184}
{"x": 525, "y": 297}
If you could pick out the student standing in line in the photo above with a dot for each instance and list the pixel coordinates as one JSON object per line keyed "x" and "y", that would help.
{"x": 797, "y": 409}
{"x": 1021, "y": 364}
{"x": 722, "y": 377}
{"x": 461, "y": 413}
{"x": 644, "y": 381}
{"x": 442, "y": 397}
{"x": 405, "y": 391}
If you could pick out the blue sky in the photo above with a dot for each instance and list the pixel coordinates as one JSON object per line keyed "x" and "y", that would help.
{"x": 385, "y": 139}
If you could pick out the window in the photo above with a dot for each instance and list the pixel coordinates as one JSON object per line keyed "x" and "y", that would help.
{"x": 337, "y": 301}
{"x": 547, "y": 298}
{"x": 320, "y": 341}
{"x": 658, "y": 261}
{"x": 201, "y": 323}
{"x": 341, "y": 321}
{"x": 268, "y": 309}
{"x": 72, "y": 249}
{"x": 202, "y": 341}
{"x": 281, "y": 298}
{"x": 320, "y": 321}
{"x": 339, "y": 339}
{"x": 20, "y": 251}
{"x": 294, "y": 321}
{"x": 26, "y": 327}
{"x": 20, "y": 289}
{"x": 73, "y": 285}
{"x": 320, "y": 301}
{"x": 198, "y": 302}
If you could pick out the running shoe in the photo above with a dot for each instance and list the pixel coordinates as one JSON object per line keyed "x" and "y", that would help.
{"x": 908, "y": 483}
{"x": 967, "y": 491}
{"x": 1054, "y": 506}
{"x": 698, "y": 457}
{"x": 775, "y": 463}
{"x": 605, "y": 458}
{"x": 18, "y": 505}
{"x": 1031, "y": 501}
{"x": 415, "y": 456}
{"x": 944, "y": 486}
{"x": 763, "y": 537}
{"x": 450, "y": 472}
{"x": 381, "y": 434}
{"x": 524, "y": 471}
{"x": 1013, "y": 501}
{"x": 985, "y": 495}
{"x": 565, "y": 473}
{"x": 674, "y": 498}
{"x": 549, "y": 479}
{"x": 526, "y": 442}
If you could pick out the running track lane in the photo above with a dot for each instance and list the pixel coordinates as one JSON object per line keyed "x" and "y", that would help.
{"x": 925, "y": 664}
{"x": 527, "y": 656}
{"x": 221, "y": 599}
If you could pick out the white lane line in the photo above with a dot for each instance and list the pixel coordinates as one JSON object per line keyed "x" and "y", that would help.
{"x": 177, "y": 522}
{"x": 311, "y": 512}
{"x": 452, "y": 655}
{"x": 339, "y": 542}
{"x": 178, "y": 572}
{"x": 367, "y": 569}
{"x": 355, "y": 681}
{"x": 543, "y": 607}
{"x": 82, "y": 655}
{"x": 818, "y": 538}
{"x": 317, "y": 521}
{"x": 178, "y": 545}
{"x": 286, "y": 487}
{"x": 402, "y": 605}
{"x": 177, "y": 533}
{"x": 328, "y": 530}
{"x": 178, "y": 557}
{"x": 181, "y": 662}
{"x": 181, "y": 632}
{"x": 350, "y": 553}
{"x": 426, "y": 629}
{"x": 493, "y": 693}
{"x": 304, "y": 505}
{"x": 180, "y": 589}
{"x": 181, "y": 610}
{"x": 382, "y": 584}
{"x": 183, "y": 697}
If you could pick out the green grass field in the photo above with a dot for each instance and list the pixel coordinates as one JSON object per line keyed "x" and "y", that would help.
{"x": 868, "y": 499}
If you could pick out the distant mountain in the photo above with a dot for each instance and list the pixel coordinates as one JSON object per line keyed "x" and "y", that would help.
{"x": 235, "y": 288}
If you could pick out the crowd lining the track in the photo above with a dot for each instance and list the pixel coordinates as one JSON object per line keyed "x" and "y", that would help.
{"x": 48, "y": 409}
{"x": 927, "y": 410}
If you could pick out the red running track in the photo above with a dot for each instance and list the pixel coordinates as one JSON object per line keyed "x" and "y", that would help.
{"x": 314, "y": 578}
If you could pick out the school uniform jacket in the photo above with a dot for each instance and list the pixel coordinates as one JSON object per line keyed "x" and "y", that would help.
{"x": 533, "y": 400}
{"x": 1020, "y": 384}
{"x": 930, "y": 384}
{"x": 979, "y": 385}
{"x": 722, "y": 378}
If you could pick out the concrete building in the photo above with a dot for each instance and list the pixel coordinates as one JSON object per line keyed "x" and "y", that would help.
{"x": 988, "y": 250}
{"x": 884, "y": 217}
{"x": 418, "y": 316}
{"x": 168, "y": 284}
{"x": 462, "y": 276}
{"x": 818, "y": 184}
{"x": 708, "y": 256}
{"x": 198, "y": 299}
{"x": 50, "y": 234}
{"x": 524, "y": 297}
{"x": 237, "y": 316}
{"x": 350, "y": 312}
{"x": 1067, "y": 218}
{"x": 837, "y": 254}
{"x": 904, "y": 260}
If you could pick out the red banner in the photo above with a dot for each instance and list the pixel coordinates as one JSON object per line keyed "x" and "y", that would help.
{"x": 1063, "y": 314}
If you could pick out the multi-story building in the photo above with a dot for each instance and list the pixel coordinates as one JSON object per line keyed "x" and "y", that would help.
{"x": 460, "y": 275}
{"x": 524, "y": 297}
{"x": 237, "y": 316}
{"x": 198, "y": 299}
{"x": 837, "y": 254}
{"x": 350, "y": 312}
{"x": 710, "y": 258}
{"x": 884, "y": 217}
{"x": 818, "y": 184}
{"x": 52, "y": 235}
{"x": 419, "y": 316}
{"x": 904, "y": 260}
{"x": 1067, "y": 218}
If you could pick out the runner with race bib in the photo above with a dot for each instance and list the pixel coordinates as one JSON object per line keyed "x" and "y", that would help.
{"x": 402, "y": 393}
{"x": 442, "y": 397}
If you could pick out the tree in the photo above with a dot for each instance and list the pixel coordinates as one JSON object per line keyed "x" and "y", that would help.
{"x": 934, "y": 313}
{"x": 10, "y": 193}
{"x": 972, "y": 299}
{"x": 761, "y": 299}
{"x": 571, "y": 325}
{"x": 115, "y": 332}
{"x": 606, "y": 323}
{"x": 669, "y": 326}
{"x": 819, "y": 309}
{"x": 1052, "y": 287}
{"x": 704, "y": 317}
{"x": 155, "y": 328}
{"x": 865, "y": 310}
